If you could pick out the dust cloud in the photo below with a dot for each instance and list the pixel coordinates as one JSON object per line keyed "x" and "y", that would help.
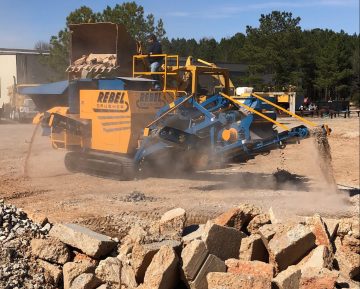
{"x": 42, "y": 160}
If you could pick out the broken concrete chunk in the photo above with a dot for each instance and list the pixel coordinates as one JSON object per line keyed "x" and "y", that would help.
{"x": 128, "y": 276}
{"x": 172, "y": 222}
{"x": 238, "y": 217}
{"x": 318, "y": 227}
{"x": 349, "y": 226}
{"x": 73, "y": 269}
{"x": 273, "y": 217}
{"x": 351, "y": 243}
{"x": 51, "y": 250}
{"x": 53, "y": 273}
{"x": 193, "y": 256}
{"x": 257, "y": 222}
{"x": 267, "y": 232}
{"x": 348, "y": 262}
{"x": 289, "y": 247}
{"x": 312, "y": 278}
{"x": 85, "y": 281}
{"x": 163, "y": 273}
{"x": 288, "y": 279}
{"x": 236, "y": 281}
{"x": 142, "y": 255}
{"x": 250, "y": 268}
{"x": 223, "y": 242}
{"x": 109, "y": 270}
{"x": 195, "y": 235}
{"x": 80, "y": 257}
{"x": 212, "y": 264}
{"x": 89, "y": 242}
{"x": 252, "y": 248}
{"x": 320, "y": 257}
{"x": 135, "y": 235}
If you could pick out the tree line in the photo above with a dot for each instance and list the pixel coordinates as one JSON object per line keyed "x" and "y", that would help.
{"x": 320, "y": 63}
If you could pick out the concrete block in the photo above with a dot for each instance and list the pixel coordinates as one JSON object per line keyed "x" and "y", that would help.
{"x": 51, "y": 250}
{"x": 250, "y": 268}
{"x": 320, "y": 257}
{"x": 109, "y": 270}
{"x": 318, "y": 227}
{"x": 267, "y": 232}
{"x": 312, "y": 278}
{"x": 275, "y": 219}
{"x": 348, "y": 262}
{"x": 163, "y": 272}
{"x": 289, "y": 247}
{"x": 53, "y": 273}
{"x": 236, "y": 281}
{"x": 237, "y": 217}
{"x": 128, "y": 276}
{"x": 287, "y": 279}
{"x": 349, "y": 226}
{"x": 212, "y": 264}
{"x": 73, "y": 269}
{"x": 85, "y": 281}
{"x": 351, "y": 243}
{"x": 252, "y": 248}
{"x": 172, "y": 222}
{"x": 142, "y": 255}
{"x": 89, "y": 242}
{"x": 257, "y": 222}
{"x": 193, "y": 256}
{"x": 223, "y": 242}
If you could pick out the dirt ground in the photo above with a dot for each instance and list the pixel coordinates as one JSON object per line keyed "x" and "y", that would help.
{"x": 107, "y": 205}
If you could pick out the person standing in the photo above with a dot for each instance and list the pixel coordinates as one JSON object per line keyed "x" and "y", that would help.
{"x": 155, "y": 62}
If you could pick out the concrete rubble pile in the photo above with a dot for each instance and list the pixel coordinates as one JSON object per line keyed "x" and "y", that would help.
{"x": 94, "y": 62}
{"x": 242, "y": 248}
{"x": 18, "y": 268}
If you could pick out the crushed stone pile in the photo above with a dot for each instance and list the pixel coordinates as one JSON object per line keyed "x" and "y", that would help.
{"x": 137, "y": 196}
{"x": 17, "y": 266}
{"x": 242, "y": 248}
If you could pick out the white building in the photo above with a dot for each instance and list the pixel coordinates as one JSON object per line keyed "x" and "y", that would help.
{"x": 24, "y": 66}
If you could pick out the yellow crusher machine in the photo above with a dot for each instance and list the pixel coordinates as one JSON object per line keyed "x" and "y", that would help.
{"x": 116, "y": 124}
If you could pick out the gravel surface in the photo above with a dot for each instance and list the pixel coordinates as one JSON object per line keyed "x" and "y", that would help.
{"x": 17, "y": 267}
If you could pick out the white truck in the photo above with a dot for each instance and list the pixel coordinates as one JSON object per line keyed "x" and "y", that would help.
{"x": 21, "y": 108}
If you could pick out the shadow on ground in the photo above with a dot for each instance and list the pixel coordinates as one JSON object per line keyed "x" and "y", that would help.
{"x": 246, "y": 180}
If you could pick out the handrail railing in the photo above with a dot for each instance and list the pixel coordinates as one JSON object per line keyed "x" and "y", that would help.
{"x": 165, "y": 72}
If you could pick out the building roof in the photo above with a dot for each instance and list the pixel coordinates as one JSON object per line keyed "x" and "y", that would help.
{"x": 49, "y": 88}
{"x": 12, "y": 51}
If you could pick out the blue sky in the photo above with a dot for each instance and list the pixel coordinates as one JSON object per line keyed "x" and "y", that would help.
{"x": 24, "y": 22}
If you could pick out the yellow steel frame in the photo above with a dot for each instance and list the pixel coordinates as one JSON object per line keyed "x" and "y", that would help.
{"x": 165, "y": 73}
{"x": 254, "y": 111}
